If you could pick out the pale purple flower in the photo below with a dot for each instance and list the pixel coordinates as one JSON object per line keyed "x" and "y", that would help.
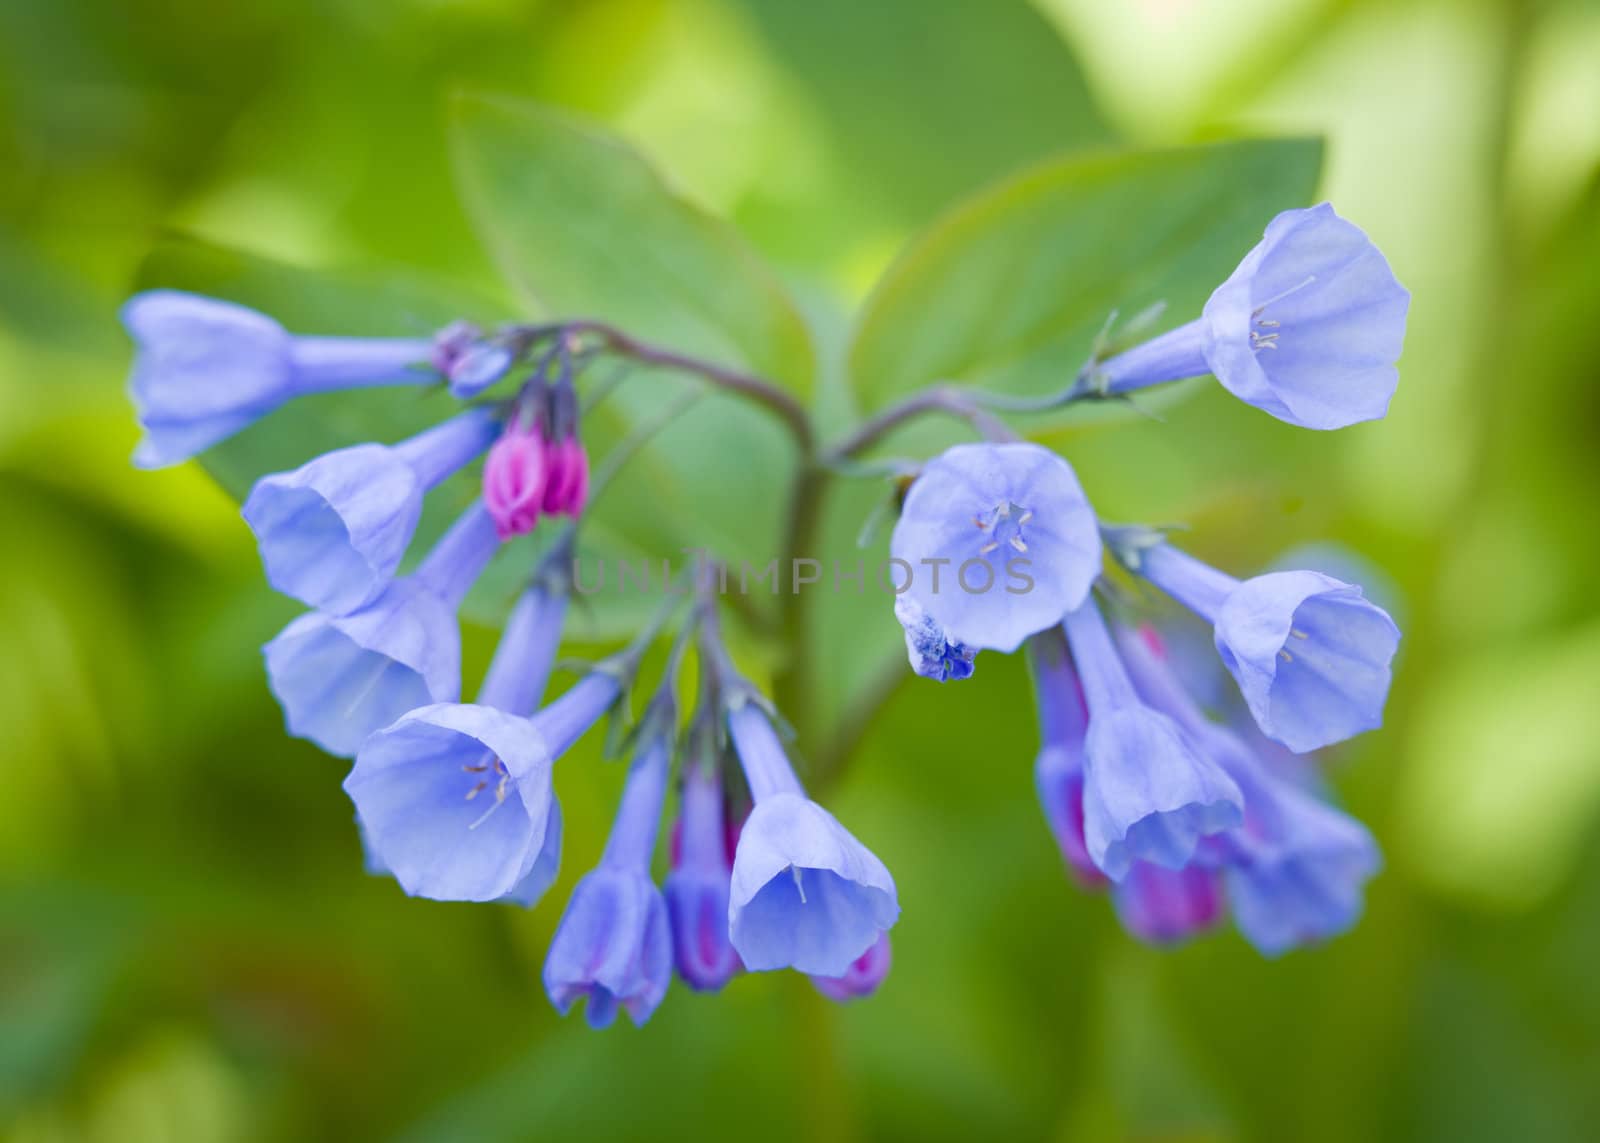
{"x": 1148, "y": 794}
{"x": 805, "y": 893}
{"x": 1311, "y": 655}
{"x": 455, "y": 799}
{"x": 205, "y": 369}
{"x": 1308, "y": 328}
{"x": 1058, "y": 770}
{"x": 697, "y": 888}
{"x": 340, "y": 677}
{"x": 614, "y": 943}
{"x": 1000, "y": 542}
{"x": 333, "y": 531}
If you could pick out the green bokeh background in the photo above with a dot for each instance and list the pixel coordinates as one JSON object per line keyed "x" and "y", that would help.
{"x": 189, "y": 949}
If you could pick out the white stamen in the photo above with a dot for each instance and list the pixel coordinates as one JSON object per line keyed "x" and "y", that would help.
{"x": 798, "y": 884}
{"x": 1285, "y": 656}
{"x": 1298, "y": 634}
{"x": 1025, "y": 517}
{"x": 989, "y": 547}
{"x": 1279, "y": 297}
{"x": 478, "y": 789}
{"x": 1016, "y": 542}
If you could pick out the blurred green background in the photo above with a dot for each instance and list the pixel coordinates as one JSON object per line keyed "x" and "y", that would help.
{"x": 189, "y": 949}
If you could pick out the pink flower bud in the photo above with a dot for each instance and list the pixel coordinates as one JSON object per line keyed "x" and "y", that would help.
{"x": 515, "y": 479}
{"x": 863, "y": 976}
{"x": 567, "y": 487}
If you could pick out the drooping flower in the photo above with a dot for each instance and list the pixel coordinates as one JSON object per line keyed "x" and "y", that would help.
{"x": 455, "y": 799}
{"x": 932, "y": 654}
{"x": 205, "y": 369}
{"x": 1295, "y": 867}
{"x": 333, "y": 531}
{"x": 697, "y": 888}
{"x": 340, "y": 677}
{"x": 515, "y": 477}
{"x": 1058, "y": 770}
{"x": 1000, "y": 542}
{"x": 1311, "y": 655}
{"x": 1148, "y": 794}
{"x": 1165, "y": 906}
{"x": 866, "y": 973}
{"x": 614, "y": 944}
{"x": 805, "y": 893}
{"x": 1308, "y": 328}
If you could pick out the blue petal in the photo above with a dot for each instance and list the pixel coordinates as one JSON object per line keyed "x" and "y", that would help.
{"x": 411, "y": 785}
{"x": 1148, "y": 794}
{"x": 546, "y": 866}
{"x": 333, "y": 531}
{"x": 1310, "y": 654}
{"x": 697, "y": 902}
{"x": 203, "y": 370}
{"x": 983, "y": 496}
{"x": 339, "y": 678}
{"x": 1331, "y": 316}
{"x": 805, "y": 893}
{"x": 613, "y": 946}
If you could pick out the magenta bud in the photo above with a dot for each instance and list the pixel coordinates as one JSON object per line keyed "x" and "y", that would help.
{"x": 515, "y": 478}
{"x": 863, "y": 976}
{"x": 567, "y": 487}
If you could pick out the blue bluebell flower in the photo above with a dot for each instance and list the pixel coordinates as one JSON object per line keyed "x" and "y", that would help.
{"x": 1308, "y": 328}
{"x": 1311, "y": 655}
{"x": 333, "y": 531}
{"x": 1295, "y": 867}
{"x": 697, "y": 888}
{"x": 998, "y": 541}
{"x": 932, "y": 654}
{"x": 455, "y": 799}
{"x": 1298, "y": 866}
{"x": 1148, "y": 794}
{"x": 865, "y": 975}
{"x": 1166, "y": 906}
{"x": 805, "y": 893}
{"x": 1058, "y": 769}
{"x": 340, "y": 677}
{"x": 204, "y": 369}
{"x": 614, "y": 944}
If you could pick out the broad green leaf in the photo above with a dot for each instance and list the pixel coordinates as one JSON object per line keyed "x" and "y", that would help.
{"x": 583, "y": 226}
{"x": 917, "y": 105}
{"x": 1009, "y": 290}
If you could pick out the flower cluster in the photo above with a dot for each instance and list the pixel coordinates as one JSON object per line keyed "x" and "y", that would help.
{"x": 1184, "y": 816}
{"x": 1181, "y": 815}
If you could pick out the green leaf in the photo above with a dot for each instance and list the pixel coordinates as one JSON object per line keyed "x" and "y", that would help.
{"x": 919, "y": 104}
{"x": 1009, "y": 290}
{"x": 583, "y": 226}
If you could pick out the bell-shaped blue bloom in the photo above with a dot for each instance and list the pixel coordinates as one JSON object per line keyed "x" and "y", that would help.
{"x": 1299, "y": 866}
{"x": 1295, "y": 868}
{"x": 998, "y": 541}
{"x": 1166, "y": 906}
{"x": 340, "y": 677}
{"x": 1308, "y": 328}
{"x": 805, "y": 893}
{"x": 614, "y": 944}
{"x": 1148, "y": 794}
{"x": 1311, "y": 655}
{"x": 1058, "y": 770}
{"x": 455, "y": 799}
{"x": 697, "y": 888}
{"x": 866, "y": 973}
{"x": 204, "y": 369}
{"x": 932, "y": 654}
{"x": 333, "y": 531}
